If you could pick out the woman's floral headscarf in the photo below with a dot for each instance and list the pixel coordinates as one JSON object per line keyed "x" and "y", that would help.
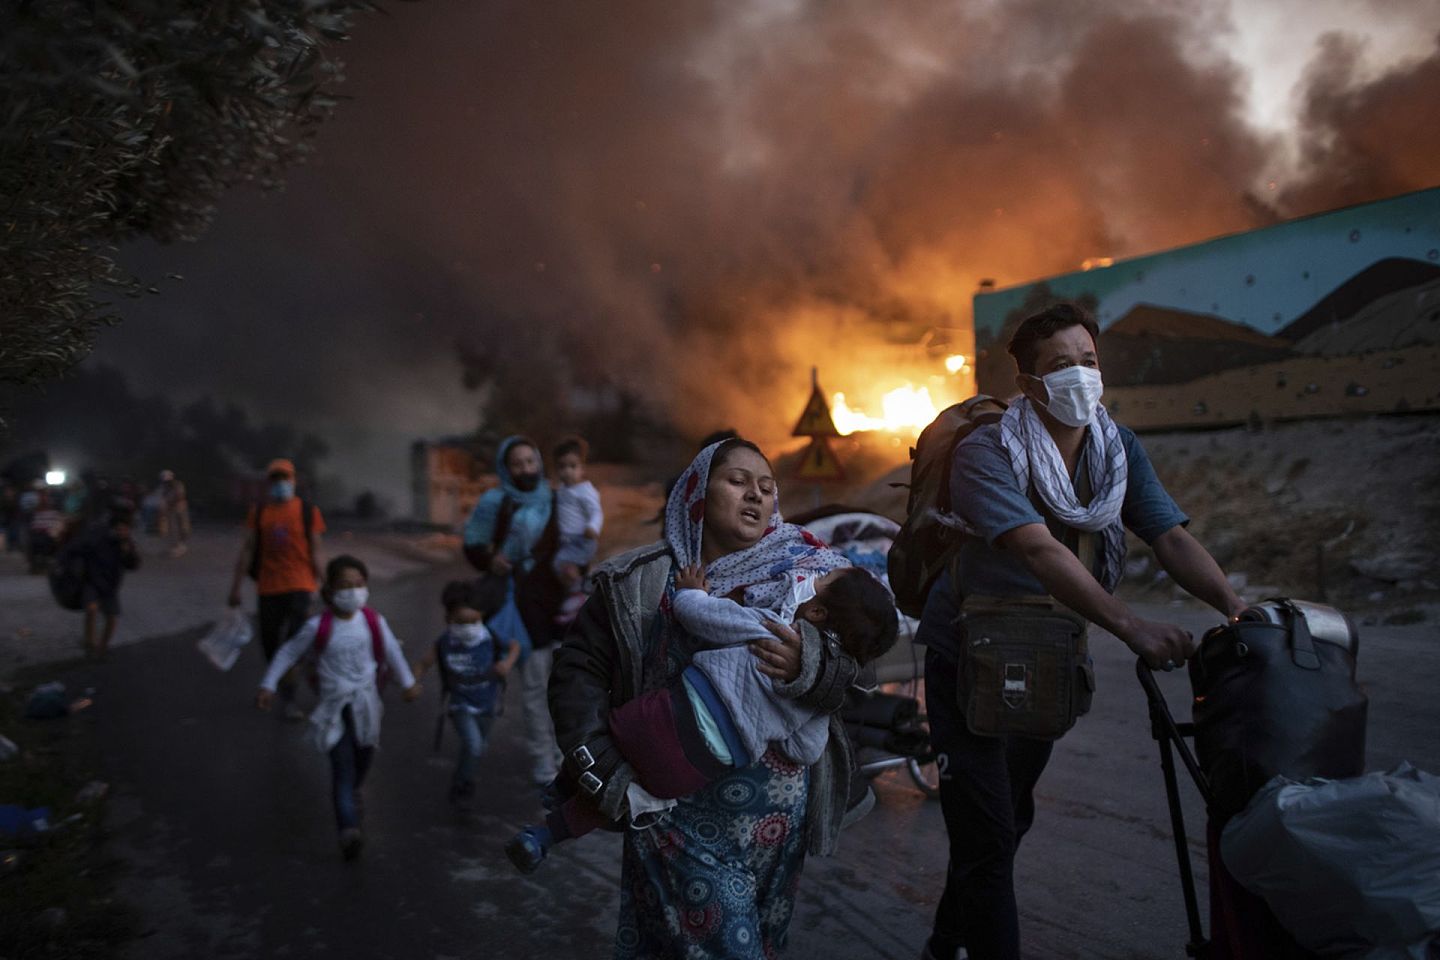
{"x": 767, "y": 569}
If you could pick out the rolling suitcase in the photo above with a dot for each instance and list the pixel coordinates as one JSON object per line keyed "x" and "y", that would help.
{"x": 1275, "y": 693}
{"x": 1241, "y": 926}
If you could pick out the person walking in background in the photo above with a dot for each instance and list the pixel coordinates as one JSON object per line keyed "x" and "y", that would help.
{"x": 472, "y": 676}
{"x": 511, "y": 536}
{"x": 10, "y": 514}
{"x": 74, "y": 502}
{"x": 106, "y": 550}
{"x": 354, "y": 652}
{"x": 27, "y": 501}
{"x": 174, "y": 516}
{"x": 281, "y": 554}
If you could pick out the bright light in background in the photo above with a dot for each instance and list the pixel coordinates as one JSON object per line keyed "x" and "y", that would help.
{"x": 55, "y": 478}
{"x": 955, "y": 363}
{"x": 905, "y": 409}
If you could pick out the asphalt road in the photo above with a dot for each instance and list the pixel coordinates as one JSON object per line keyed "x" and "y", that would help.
{"x": 223, "y": 815}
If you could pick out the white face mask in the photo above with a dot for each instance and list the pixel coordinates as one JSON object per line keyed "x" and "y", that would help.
{"x": 1074, "y": 393}
{"x": 802, "y": 591}
{"x": 468, "y": 634}
{"x": 351, "y": 600}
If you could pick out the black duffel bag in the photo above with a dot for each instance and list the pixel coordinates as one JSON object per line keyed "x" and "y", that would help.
{"x": 1275, "y": 693}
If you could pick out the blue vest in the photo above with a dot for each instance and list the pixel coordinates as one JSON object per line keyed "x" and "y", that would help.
{"x": 465, "y": 674}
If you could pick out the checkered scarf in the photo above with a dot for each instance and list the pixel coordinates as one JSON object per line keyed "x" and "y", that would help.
{"x": 1035, "y": 457}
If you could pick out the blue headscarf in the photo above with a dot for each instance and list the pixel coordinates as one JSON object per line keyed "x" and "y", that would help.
{"x": 531, "y": 515}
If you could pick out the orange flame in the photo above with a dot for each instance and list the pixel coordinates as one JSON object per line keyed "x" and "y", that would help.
{"x": 905, "y": 409}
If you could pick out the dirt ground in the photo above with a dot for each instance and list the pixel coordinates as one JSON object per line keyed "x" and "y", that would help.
{"x": 1342, "y": 510}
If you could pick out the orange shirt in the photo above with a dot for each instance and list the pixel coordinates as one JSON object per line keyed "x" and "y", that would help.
{"x": 284, "y": 552}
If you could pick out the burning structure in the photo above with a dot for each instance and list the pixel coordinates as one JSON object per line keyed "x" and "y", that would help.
{"x": 447, "y": 476}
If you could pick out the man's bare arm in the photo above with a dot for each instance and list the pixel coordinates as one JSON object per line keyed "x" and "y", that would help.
{"x": 1191, "y": 566}
{"x": 1067, "y": 580}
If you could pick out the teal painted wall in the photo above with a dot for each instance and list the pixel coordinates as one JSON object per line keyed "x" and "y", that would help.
{"x": 1264, "y": 278}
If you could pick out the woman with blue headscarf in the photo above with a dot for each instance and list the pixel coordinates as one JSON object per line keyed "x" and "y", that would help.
{"x": 511, "y": 536}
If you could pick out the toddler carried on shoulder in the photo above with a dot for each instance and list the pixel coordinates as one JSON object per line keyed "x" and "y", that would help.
{"x": 578, "y": 521}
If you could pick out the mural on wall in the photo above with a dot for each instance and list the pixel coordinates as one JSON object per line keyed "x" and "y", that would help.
{"x": 1323, "y": 316}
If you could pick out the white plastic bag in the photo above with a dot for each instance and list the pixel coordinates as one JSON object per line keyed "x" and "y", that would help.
{"x": 222, "y": 644}
{"x": 1350, "y": 867}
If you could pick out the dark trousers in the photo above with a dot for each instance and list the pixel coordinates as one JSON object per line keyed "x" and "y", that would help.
{"x": 349, "y": 762}
{"x": 281, "y": 617}
{"x": 986, "y": 795}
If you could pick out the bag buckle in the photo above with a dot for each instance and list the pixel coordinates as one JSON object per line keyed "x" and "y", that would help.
{"x": 582, "y": 758}
{"x": 590, "y": 783}
{"x": 1014, "y": 684}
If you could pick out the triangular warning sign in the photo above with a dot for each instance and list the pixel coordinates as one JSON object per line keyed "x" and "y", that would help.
{"x": 818, "y": 464}
{"x": 815, "y": 421}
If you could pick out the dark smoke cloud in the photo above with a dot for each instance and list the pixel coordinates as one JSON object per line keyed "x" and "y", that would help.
{"x": 697, "y": 201}
{"x": 1363, "y": 139}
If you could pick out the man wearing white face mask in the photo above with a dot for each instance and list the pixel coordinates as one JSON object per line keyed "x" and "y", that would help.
{"x": 281, "y": 554}
{"x": 1045, "y": 495}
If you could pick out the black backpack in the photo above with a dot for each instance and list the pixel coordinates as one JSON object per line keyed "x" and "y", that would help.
{"x": 1275, "y": 694}
{"x": 307, "y": 517}
{"x": 67, "y": 578}
{"x": 930, "y": 535}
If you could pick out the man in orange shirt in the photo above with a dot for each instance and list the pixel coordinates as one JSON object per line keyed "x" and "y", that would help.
{"x": 281, "y": 554}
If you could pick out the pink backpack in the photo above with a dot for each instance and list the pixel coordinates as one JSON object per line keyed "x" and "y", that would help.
{"x": 377, "y": 646}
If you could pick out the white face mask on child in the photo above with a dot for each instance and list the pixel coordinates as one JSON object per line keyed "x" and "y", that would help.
{"x": 349, "y": 601}
{"x": 468, "y": 634}
{"x": 802, "y": 591}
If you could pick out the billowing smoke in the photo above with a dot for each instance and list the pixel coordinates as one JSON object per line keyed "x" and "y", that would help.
{"x": 694, "y": 202}
{"x": 1366, "y": 138}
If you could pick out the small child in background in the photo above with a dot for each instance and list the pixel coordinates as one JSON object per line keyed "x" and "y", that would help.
{"x": 579, "y": 517}
{"x": 471, "y": 676}
{"x": 353, "y": 651}
{"x": 722, "y": 713}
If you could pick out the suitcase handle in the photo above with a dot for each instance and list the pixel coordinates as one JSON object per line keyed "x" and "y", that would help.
{"x": 1164, "y": 727}
{"x": 1167, "y": 733}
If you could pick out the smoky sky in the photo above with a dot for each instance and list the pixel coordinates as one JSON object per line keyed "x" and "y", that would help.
{"x": 697, "y": 201}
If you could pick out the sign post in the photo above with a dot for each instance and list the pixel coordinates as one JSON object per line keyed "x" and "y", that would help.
{"x": 818, "y": 464}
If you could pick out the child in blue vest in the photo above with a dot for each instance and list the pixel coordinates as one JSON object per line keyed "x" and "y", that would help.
{"x": 352, "y": 651}
{"x": 472, "y": 677}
